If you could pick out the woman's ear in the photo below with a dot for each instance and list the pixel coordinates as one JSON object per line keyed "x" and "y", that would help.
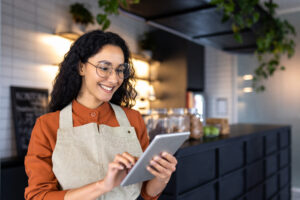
{"x": 81, "y": 69}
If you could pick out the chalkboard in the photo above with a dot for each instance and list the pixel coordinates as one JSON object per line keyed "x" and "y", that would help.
{"x": 27, "y": 105}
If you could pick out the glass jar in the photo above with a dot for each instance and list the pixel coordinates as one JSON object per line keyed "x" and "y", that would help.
{"x": 179, "y": 120}
{"x": 157, "y": 122}
{"x": 196, "y": 126}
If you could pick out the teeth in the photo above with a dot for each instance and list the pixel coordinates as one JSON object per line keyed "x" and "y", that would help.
{"x": 106, "y": 88}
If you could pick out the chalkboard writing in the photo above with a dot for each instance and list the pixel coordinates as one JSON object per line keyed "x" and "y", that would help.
{"x": 27, "y": 105}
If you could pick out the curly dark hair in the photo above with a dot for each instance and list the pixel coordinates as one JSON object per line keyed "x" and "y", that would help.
{"x": 68, "y": 81}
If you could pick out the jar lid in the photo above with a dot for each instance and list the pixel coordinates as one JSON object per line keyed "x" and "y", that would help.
{"x": 177, "y": 111}
{"x": 159, "y": 111}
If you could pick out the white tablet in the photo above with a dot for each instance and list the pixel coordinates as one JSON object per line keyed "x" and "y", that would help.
{"x": 166, "y": 142}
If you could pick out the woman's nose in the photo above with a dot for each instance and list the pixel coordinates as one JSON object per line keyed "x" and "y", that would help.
{"x": 113, "y": 77}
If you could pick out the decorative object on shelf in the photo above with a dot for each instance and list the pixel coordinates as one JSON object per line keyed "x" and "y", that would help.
{"x": 81, "y": 16}
{"x": 273, "y": 35}
{"x": 221, "y": 122}
{"x": 110, "y": 7}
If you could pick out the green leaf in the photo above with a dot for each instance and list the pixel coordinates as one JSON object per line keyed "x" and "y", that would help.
{"x": 235, "y": 28}
{"x": 101, "y": 18}
{"x": 225, "y": 18}
{"x": 106, "y": 25}
{"x": 255, "y": 17}
{"x": 229, "y": 7}
{"x": 238, "y": 37}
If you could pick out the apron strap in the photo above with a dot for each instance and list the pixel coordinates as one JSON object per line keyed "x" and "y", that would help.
{"x": 120, "y": 115}
{"x": 65, "y": 117}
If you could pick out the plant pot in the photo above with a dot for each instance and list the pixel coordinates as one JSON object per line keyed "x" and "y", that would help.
{"x": 78, "y": 28}
{"x": 147, "y": 53}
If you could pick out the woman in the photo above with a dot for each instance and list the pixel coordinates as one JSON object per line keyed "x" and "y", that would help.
{"x": 85, "y": 146}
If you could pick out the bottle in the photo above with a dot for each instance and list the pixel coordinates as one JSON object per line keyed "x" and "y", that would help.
{"x": 196, "y": 126}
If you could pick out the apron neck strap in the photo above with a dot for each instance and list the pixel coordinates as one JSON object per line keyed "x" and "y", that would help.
{"x": 120, "y": 115}
{"x": 65, "y": 117}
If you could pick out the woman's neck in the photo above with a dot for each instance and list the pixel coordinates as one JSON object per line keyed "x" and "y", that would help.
{"x": 90, "y": 103}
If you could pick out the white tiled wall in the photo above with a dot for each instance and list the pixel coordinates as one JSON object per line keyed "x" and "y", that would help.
{"x": 220, "y": 83}
{"x": 24, "y": 26}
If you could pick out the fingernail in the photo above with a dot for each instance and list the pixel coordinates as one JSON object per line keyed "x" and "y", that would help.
{"x": 164, "y": 153}
{"x": 156, "y": 158}
{"x": 152, "y": 162}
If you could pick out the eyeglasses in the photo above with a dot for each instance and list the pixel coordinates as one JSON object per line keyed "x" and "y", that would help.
{"x": 104, "y": 69}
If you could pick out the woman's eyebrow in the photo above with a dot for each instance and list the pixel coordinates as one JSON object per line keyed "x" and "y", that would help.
{"x": 109, "y": 63}
{"x": 104, "y": 61}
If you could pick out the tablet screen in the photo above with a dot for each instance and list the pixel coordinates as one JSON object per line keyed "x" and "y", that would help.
{"x": 165, "y": 142}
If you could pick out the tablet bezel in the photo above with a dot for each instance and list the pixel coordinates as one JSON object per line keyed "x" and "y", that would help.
{"x": 149, "y": 153}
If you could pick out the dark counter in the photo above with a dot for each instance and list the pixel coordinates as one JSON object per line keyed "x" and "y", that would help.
{"x": 252, "y": 162}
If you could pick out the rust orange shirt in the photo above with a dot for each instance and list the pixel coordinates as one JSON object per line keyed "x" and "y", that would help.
{"x": 42, "y": 183}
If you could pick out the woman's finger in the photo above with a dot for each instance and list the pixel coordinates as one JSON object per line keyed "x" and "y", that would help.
{"x": 123, "y": 160}
{"x": 115, "y": 165}
{"x": 160, "y": 169}
{"x": 129, "y": 157}
{"x": 169, "y": 157}
{"x": 157, "y": 174}
{"x": 165, "y": 163}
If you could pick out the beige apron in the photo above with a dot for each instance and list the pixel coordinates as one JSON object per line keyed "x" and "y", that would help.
{"x": 82, "y": 154}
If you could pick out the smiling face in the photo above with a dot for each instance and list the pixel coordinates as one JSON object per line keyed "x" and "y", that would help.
{"x": 94, "y": 89}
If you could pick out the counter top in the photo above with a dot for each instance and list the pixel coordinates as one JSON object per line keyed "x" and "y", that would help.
{"x": 237, "y": 132}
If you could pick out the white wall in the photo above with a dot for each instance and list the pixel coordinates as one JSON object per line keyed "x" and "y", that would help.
{"x": 26, "y": 27}
{"x": 220, "y": 83}
{"x": 280, "y": 103}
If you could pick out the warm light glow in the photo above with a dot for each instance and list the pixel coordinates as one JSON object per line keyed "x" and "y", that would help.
{"x": 141, "y": 68}
{"x": 142, "y": 106}
{"x": 247, "y": 77}
{"x": 142, "y": 88}
{"x": 151, "y": 93}
{"x": 248, "y": 89}
{"x": 50, "y": 70}
{"x": 59, "y": 44}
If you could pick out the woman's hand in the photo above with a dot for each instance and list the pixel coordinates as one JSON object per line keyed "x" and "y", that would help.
{"x": 117, "y": 170}
{"x": 162, "y": 167}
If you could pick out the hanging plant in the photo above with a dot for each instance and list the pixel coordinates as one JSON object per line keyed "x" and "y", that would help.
{"x": 80, "y": 14}
{"x": 274, "y": 35}
{"x": 110, "y": 7}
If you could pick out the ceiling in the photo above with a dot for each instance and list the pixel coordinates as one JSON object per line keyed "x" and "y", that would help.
{"x": 197, "y": 21}
{"x": 194, "y": 20}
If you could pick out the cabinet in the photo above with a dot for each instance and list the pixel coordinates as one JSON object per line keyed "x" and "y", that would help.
{"x": 172, "y": 47}
{"x": 251, "y": 163}
{"x": 195, "y": 67}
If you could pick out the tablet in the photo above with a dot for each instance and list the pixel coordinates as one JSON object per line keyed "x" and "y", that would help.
{"x": 165, "y": 142}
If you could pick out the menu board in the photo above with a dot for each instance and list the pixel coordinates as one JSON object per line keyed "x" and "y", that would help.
{"x": 27, "y": 105}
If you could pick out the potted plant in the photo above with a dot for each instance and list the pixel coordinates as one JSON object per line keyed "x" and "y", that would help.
{"x": 147, "y": 45}
{"x": 81, "y": 17}
{"x": 274, "y": 36}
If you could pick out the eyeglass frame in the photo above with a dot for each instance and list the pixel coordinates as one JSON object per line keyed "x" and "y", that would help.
{"x": 111, "y": 69}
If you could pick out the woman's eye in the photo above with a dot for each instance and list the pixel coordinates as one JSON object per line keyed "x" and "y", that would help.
{"x": 120, "y": 70}
{"x": 103, "y": 68}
